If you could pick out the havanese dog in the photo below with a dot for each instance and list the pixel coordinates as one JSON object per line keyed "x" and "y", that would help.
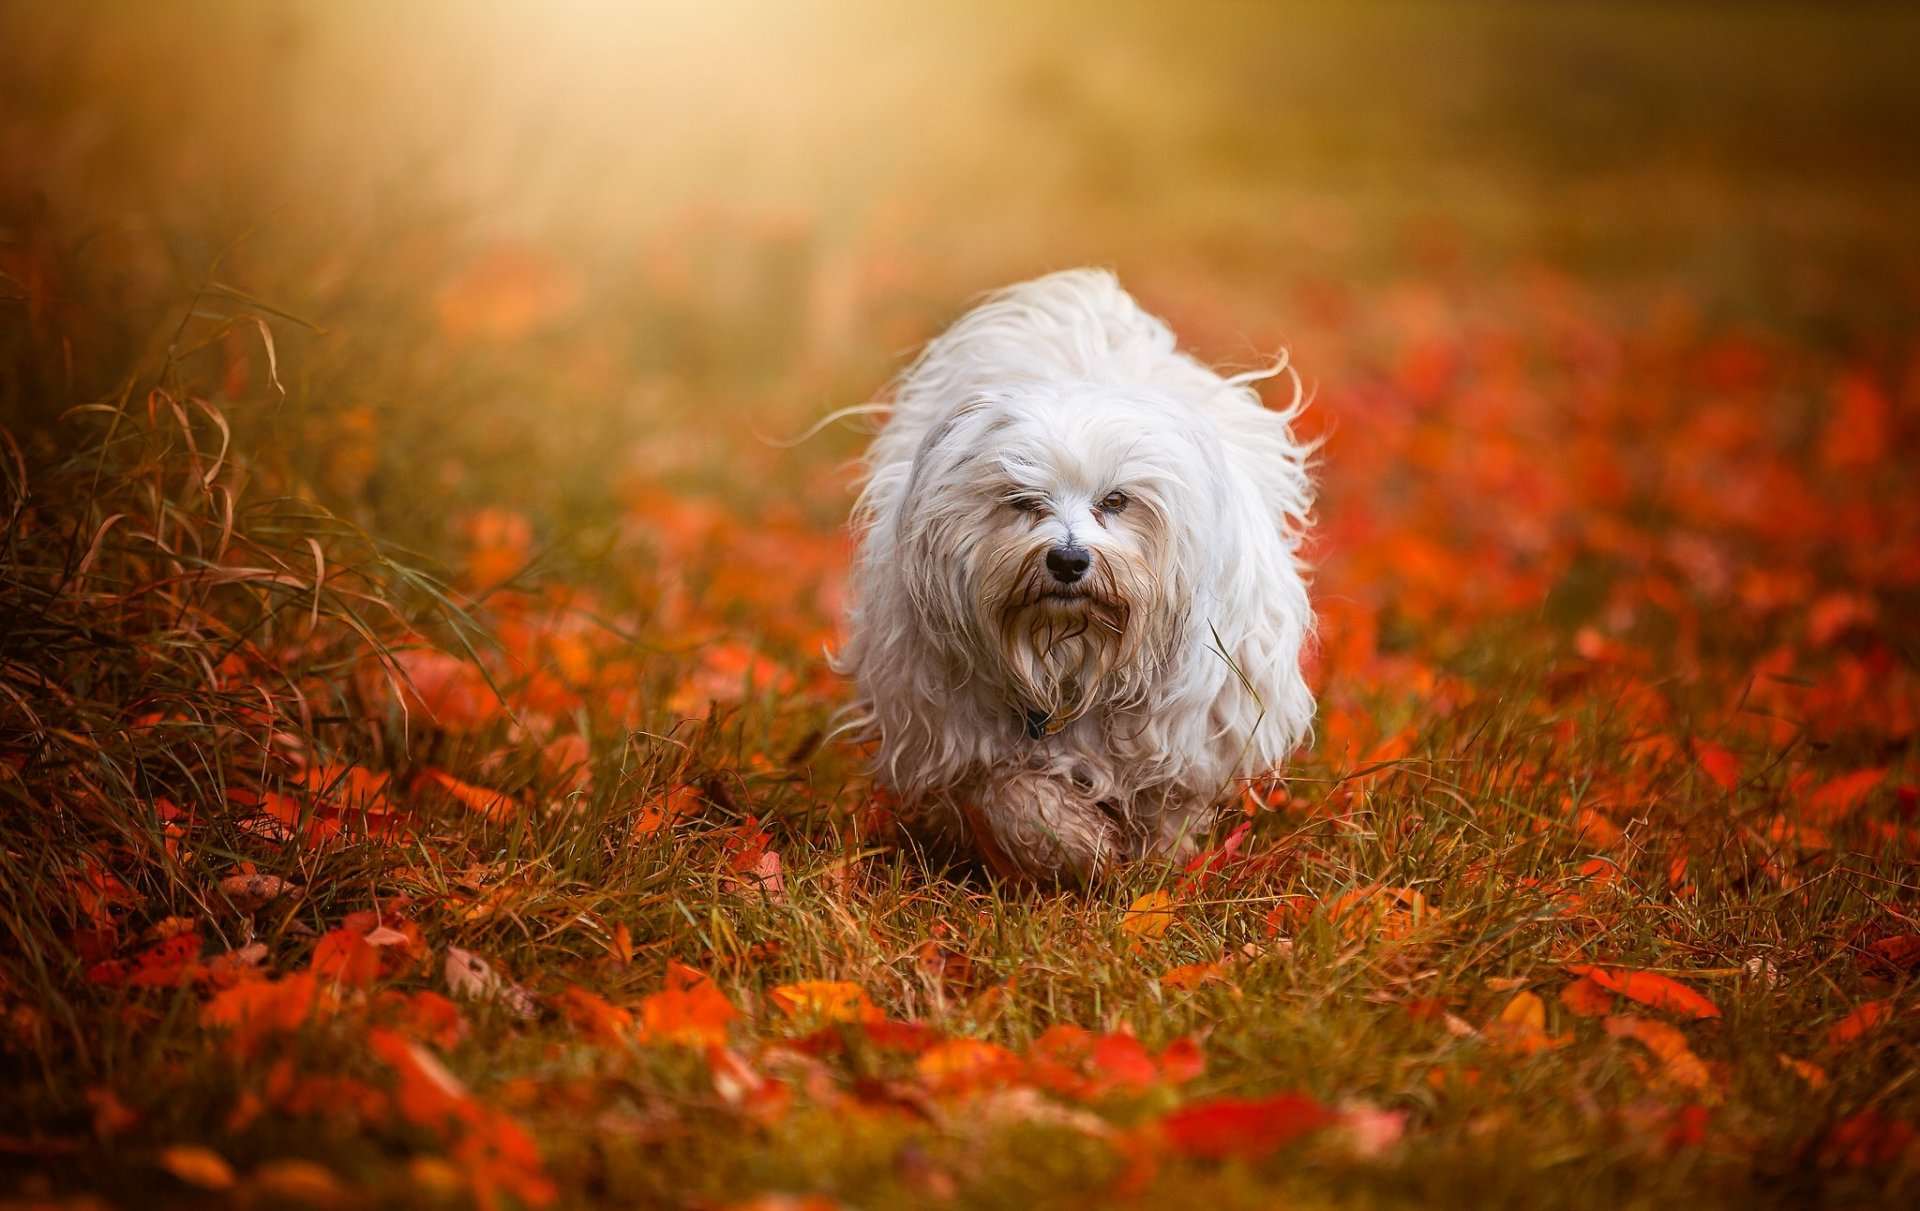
{"x": 1079, "y": 605}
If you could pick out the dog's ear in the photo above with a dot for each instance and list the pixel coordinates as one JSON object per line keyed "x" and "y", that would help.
{"x": 936, "y": 437}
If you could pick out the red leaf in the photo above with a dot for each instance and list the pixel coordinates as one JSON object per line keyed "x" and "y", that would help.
{"x": 1202, "y": 867}
{"x": 1648, "y": 989}
{"x": 1837, "y": 800}
{"x": 1900, "y": 952}
{"x": 1123, "y": 1062}
{"x": 1247, "y": 1128}
{"x": 1867, "y": 1139}
{"x": 1182, "y": 1061}
{"x": 1720, "y": 765}
{"x": 155, "y": 967}
{"x": 910, "y": 1037}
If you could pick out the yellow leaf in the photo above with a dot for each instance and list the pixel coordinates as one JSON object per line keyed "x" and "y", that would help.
{"x": 1149, "y": 916}
{"x": 1521, "y": 1027}
{"x": 1525, "y": 1011}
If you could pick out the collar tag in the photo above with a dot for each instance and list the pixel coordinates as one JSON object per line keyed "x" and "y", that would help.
{"x": 1039, "y": 724}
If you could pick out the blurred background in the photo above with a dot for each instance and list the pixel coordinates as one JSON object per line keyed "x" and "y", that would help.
{"x": 534, "y": 271}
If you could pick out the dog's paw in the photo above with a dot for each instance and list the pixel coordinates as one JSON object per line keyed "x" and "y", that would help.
{"x": 1034, "y": 828}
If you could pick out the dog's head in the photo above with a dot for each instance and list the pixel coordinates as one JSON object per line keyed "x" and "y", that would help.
{"x": 1051, "y": 536}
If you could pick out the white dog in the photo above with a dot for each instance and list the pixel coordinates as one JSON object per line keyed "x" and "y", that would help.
{"x": 1079, "y": 601}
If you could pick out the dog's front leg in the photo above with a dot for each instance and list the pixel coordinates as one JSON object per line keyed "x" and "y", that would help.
{"x": 1036, "y": 826}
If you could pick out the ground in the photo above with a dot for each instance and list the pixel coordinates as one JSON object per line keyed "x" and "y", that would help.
{"x": 415, "y": 737}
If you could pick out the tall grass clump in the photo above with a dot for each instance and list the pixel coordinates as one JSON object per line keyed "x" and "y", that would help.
{"x": 184, "y": 638}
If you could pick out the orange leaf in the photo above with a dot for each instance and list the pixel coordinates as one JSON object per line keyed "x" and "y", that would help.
{"x": 506, "y": 294}
{"x": 1192, "y": 975}
{"x": 1586, "y": 998}
{"x": 1247, "y": 1128}
{"x": 690, "y": 1011}
{"x": 663, "y": 810}
{"x": 1869, "y": 1016}
{"x": 966, "y": 1064}
{"x": 258, "y": 1009}
{"x": 1868, "y": 1139}
{"x": 1814, "y": 1075}
{"x": 424, "y": 1015}
{"x": 1648, "y": 989}
{"x": 347, "y": 958}
{"x": 427, "y": 1095}
{"x": 452, "y": 693}
{"x": 594, "y": 1016}
{"x": 825, "y": 1001}
{"x": 197, "y": 1166}
{"x": 494, "y": 805}
{"x": 1679, "y": 1062}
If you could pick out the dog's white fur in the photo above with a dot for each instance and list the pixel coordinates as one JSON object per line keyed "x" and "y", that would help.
{"x": 1059, "y": 735}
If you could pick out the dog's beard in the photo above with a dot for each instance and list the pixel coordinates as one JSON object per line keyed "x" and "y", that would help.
{"x": 1065, "y": 649}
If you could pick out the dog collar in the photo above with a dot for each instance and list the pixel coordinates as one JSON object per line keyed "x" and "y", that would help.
{"x": 1040, "y": 724}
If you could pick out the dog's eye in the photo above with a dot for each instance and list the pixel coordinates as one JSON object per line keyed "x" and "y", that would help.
{"x": 1024, "y": 504}
{"x": 1114, "y": 502}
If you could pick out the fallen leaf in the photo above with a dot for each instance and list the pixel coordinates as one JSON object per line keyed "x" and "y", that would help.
{"x": 197, "y": 1166}
{"x": 300, "y": 1182}
{"x": 162, "y": 965}
{"x": 1836, "y": 800}
{"x": 1868, "y": 1139}
{"x": 1901, "y": 952}
{"x": 496, "y": 806}
{"x": 594, "y": 1016}
{"x": 1243, "y": 1128}
{"x": 445, "y": 690}
{"x": 255, "y": 1010}
{"x": 1866, "y": 1017}
{"x": 762, "y": 875}
{"x": 1369, "y": 1132}
{"x": 250, "y": 893}
{"x": 111, "y": 1116}
{"x": 1148, "y": 916}
{"x": 1192, "y": 975}
{"x": 344, "y": 957}
{"x": 1648, "y": 988}
{"x": 815, "y": 1001}
{"x": 1521, "y": 1026}
{"x": 471, "y": 978}
{"x": 690, "y": 1011}
{"x": 1814, "y": 1075}
{"x": 1586, "y": 998}
{"x": 1721, "y": 766}
{"x": 1680, "y": 1064}
{"x": 964, "y": 1064}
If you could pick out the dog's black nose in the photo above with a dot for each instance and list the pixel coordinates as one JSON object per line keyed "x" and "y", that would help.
{"x": 1068, "y": 564}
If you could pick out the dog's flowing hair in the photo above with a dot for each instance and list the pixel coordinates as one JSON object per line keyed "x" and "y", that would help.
{"x": 1079, "y": 606}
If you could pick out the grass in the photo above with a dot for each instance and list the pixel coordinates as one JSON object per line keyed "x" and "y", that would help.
{"x": 428, "y": 557}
